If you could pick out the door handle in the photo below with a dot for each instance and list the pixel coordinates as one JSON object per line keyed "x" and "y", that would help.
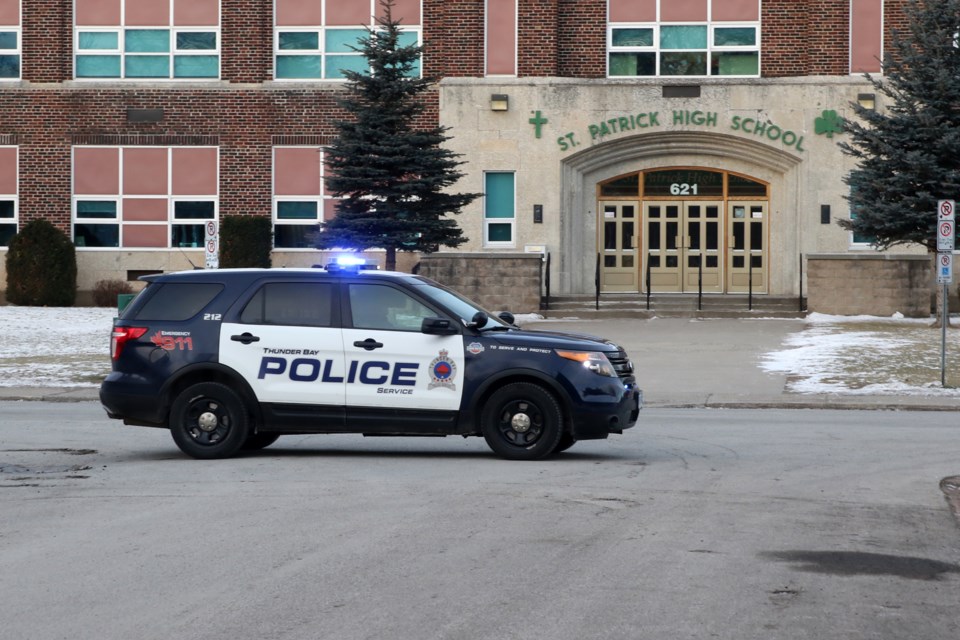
{"x": 245, "y": 338}
{"x": 369, "y": 344}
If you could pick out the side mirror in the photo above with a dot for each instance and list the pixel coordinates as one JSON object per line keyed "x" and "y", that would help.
{"x": 438, "y": 327}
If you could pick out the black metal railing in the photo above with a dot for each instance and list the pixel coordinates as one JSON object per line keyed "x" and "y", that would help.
{"x": 647, "y": 280}
{"x": 700, "y": 283}
{"x": 546, "y": 281}
{"x": 596, "y": 284}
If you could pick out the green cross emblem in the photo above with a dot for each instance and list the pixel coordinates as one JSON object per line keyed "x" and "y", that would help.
{"x": 537, "y": 121}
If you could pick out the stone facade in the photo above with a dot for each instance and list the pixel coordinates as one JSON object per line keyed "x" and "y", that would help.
{"x": 877, "y": 284}
{"x": 497, "y": 281}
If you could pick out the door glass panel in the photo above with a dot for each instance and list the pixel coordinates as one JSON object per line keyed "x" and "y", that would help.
{"x": 693, "y": 211}
{"x": 627, "y": 235}
{"x": 672, "y": 262}
{"x": 654, "y": 262}
{"x": 672, "y": 229}
{"x": 738, "y": 242}
{"x": 713, "y": 212}
{"x": 693, "y": 261}
{"x": 610, "y": 236}
{"x": 653, "y": 212}
{"x": 756, "y": 236}
{"x": 738, "y": 262}
{"x": 627, "y": 211}
{"x": 712, "y": 262}
{"x": 609, "y": 261}
{"x": 653, "y": 235}
{"x": 673, "y": 211}
{"x": 713, "y": 239}
{"x": 756, "y": 262}
{"x": 627, "y": 262}
{"x": 693, "y": 231}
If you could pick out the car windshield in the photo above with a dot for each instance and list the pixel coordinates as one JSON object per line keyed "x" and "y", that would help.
{"x": 464, "y": 308}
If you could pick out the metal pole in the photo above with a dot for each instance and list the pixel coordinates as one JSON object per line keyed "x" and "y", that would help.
{"x": 547, "y": 281}
{"x": 596, "y": 283}
{"x": 800, "y": 301}
{"x": 944, "y": 320}
{"x": 750, "y": 281}
{"x": 700, "y": 283}
{"x": 648, "y": 286}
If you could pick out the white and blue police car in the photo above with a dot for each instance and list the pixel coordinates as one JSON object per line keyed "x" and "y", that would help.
{"x": 232, "y": 359}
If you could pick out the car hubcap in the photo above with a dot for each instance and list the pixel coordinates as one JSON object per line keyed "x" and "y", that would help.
{"x": 207, "y": 421}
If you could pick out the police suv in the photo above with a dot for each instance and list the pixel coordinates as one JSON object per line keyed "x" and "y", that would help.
{"x": 232, "y": 359}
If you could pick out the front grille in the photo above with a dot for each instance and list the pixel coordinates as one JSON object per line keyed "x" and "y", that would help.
{"x": 621, "y": 363}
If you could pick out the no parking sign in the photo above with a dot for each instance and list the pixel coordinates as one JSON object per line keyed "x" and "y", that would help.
{"x": 211, "y": 245}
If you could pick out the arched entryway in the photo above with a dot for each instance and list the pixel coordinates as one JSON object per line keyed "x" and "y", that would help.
{"x": 683, "y": 229}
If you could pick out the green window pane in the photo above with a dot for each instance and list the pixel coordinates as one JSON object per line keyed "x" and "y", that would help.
{"x": 334, "y": 66}
{"x": 299, "y": 40}
{"x": 683, "y": 37}
{"x": 98, "y": 66}
{"x": 343, "y": 40}
{"x": 146, "y": 67}
{"x": 147, "y": 40}
{"x": 96, "y": 235}
{"x": 196, "y": 40}
{"x": 294, "y": 236}
{"x": 499, "y": 191}
{"x": 188, "y": 235}
{"x": 632, "y": 38}
{"x": 197, "y": 210}
{"x": 683, "y": 64}
{"x": 196, "y": 66}
{"x": 298, "y": 67}
{"x": 408, "y": 39}
{"x": 9, "y": 66}
{"x": 6, "y": 209}
{"x": 735, "y": 36}
{"x": 102, "y": 40}
{"x": 297, "y": 210}
{"x": 96, "y": 209}
{"x": 499, "y": 232}
{"x": 735, "y": 63}
{"x": 633, "y": 64}
{"x": 8, "y": 40}
{"x": 7, "y": 231}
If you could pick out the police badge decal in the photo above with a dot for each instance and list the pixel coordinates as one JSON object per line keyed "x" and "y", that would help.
{"x": 443, "y": 370}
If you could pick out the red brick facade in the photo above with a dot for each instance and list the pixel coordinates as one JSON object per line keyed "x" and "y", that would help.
{"x": 244, "y": 117}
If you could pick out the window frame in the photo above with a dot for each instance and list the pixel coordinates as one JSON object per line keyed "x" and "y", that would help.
{"x": 173, "y": 54}
{"x": 321, "y": 52}
{"x": 490, "y": 220}
{"x": 656, "y": 48}
{"x": 16, "y": 51}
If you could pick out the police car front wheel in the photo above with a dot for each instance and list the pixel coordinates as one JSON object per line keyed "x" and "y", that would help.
{"x": 209, "y": 420}
{"x": 522, "y": 421}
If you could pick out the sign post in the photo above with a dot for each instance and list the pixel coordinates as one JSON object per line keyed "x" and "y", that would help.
{"x": 211, "y": 245}
{"x": 946, "y": 217}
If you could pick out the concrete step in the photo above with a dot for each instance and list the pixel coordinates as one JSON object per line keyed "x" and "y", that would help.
{"x": 673, "y": 305}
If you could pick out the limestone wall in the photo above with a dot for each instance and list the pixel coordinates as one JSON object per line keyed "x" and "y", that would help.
{"x": 497, "y": 281}
{"x": 870, "y": 284}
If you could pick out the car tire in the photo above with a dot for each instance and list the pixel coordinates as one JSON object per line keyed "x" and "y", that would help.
{"x": 522, "y": 421}
{"x": 209, "y": 420}
{"x": 566, "y": 441}
{"x": 259, "y": 441}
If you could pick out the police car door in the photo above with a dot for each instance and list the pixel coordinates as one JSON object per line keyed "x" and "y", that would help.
{"x": 397, "y": 377}
{"x": 286, "y": 342}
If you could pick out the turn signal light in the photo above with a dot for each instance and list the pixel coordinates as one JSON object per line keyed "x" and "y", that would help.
{"x": 593, "y": 360}
{"x": 120, "y": 336}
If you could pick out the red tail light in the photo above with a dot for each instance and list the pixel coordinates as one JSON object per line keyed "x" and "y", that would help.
{"x": 121, "y": 335}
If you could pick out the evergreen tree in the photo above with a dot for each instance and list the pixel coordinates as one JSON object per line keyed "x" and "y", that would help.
{"x": 909, "y": 154}
{"x": 391, "y": 173}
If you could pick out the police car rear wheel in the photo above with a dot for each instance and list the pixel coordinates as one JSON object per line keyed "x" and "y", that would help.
{"x": 209, "y": 420}
{"x": 522, "y": 421}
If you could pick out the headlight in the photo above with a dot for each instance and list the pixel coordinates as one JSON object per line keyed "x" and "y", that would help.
{"x": 596, "y": 361}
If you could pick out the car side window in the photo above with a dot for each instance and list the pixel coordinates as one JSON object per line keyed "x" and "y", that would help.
{"x": 177, "y": 302}
{"x": 303, "y": 304}
{"x": 377, "y": 306}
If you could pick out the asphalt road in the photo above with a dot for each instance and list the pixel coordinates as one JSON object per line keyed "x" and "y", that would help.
{"x": 731, "y": 524}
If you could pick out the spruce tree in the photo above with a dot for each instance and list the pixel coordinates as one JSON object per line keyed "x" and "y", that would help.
{"x": 909, "y": 153}
{"x": 390, "y": 171}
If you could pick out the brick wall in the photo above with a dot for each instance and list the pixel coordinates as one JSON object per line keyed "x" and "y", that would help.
{"x": 582, "y": 38}
{"x": 497, "y": 281}
{"x": 876, "y": 285}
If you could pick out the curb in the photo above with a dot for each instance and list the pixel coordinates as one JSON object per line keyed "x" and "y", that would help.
{"x": 951, "y": 491}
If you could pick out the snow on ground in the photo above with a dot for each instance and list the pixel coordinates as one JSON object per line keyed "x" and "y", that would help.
{"x": 54, "y": 346}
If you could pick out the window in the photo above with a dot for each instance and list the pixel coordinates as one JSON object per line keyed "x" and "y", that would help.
{"x": 9, "y": 53}
{"x": 179, "y": 40}
{"x": 650, "y": 38}
{"x": 376, "y": 306}
{"x": 303, "y": 304}
{"x": 8, "y": 194}
{"x": 300, "y": 203}
{"x": 318, "y": 39}
{"x": 177, "y": 302}
{"x": 499, "y": 209}
{"x": 143, "y": 197}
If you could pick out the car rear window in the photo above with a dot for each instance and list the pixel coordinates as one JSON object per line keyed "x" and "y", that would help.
{"x": 177, "y": 302}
